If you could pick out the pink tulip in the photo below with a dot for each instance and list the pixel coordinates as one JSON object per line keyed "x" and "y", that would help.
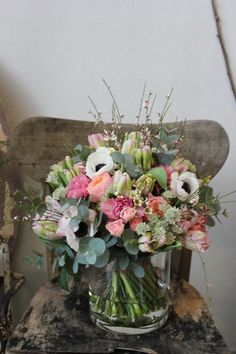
{"x": 95, "y": 140}
{"x": 196, "y": 240}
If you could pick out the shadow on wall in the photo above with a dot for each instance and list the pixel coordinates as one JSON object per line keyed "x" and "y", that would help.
{"x": 14, "y": 102}
{"x": 16, "y": 99}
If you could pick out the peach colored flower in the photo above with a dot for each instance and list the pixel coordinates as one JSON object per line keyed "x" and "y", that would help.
{"x": 116, "y": 228}
{"x": 98, "y": 185}
{"x": 127, "y": 214}
{"x": 155, "y": 203}
{"x": 135, "y": 222}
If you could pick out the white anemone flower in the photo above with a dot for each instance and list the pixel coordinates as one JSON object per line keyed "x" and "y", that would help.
{"x": 99, "y": 162}
{"x": 184, "y": 186}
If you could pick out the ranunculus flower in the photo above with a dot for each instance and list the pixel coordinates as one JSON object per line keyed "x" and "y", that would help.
{"x": 99, "y": 162}
{"x": 77, "y": 187}
{"x": 127, "y": 214}
{"x": 196, "y": 240}
{"x": 116, "y": 228}
{"x": 184, "y": 185}
{"x": 135, "y": 222}
{"x": 98, "y": 185}
{"x": 96, "y": 140}
{"x": 155, "y": 204}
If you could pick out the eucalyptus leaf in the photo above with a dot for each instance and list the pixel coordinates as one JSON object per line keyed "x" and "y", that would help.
{"x": 75, "y": 221}
{"x": 83, "y": 212}
{"x": 84, "y": 246}
{"x": 117, "y": 157}
{"x": 138, "y": 270}
{"x": 123, "y": 261}
{"x": 128, "y": 234}
{"x": 97, "y": 245}
{"x": 103, "y": 259}
{"x": 112, "y": 242}
{"x": 132, "y": 247}
{"x": 91, "y": 257}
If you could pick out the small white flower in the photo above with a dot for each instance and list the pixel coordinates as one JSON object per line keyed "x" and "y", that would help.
{"x": 185, "y": 185}
{"x": 99, "y": 162}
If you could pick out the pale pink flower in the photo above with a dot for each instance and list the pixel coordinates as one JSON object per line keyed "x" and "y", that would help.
{"x": 98, "y": 186}
{"x": 196, "y": 240}
{"x": 116, "y": 228}
{"x": 77, "y": 187}
{"x": 107, "y": 208}
{"x": 112, "y": 207}
{"x": 96, "y": 140}
{"x": 127, "y": 214}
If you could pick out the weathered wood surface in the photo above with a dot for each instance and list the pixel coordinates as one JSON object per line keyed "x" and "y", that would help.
{"x": 58, "y": 322}
{"x": 39, "y": 142}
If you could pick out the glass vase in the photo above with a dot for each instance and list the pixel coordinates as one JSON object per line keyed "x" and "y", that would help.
{"x": 131, "y": 301}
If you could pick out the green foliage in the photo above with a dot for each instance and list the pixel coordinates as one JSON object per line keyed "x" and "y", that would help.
{"x": 159, "y": 173}
{"x": 64, "y": 278}
{"x": 132, "y": 246}
{"x": 175, "y": 245}
{"x": 103, "y": 259}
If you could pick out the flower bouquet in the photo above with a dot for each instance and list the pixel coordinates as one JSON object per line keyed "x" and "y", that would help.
{"x": 120, "y": 205}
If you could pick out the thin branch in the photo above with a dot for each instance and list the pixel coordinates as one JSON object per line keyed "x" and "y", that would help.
{"x": 223, "y": 46}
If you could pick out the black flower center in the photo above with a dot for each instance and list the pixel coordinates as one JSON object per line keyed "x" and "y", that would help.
{"x": 186, "y": 187}
{"x": 99, "y": 166}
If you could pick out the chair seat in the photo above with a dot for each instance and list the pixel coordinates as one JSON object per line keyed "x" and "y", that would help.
{"x": 58, "y": 322}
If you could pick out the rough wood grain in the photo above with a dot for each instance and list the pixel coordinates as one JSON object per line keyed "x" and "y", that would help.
{"x": 58, "y": 322}
{"x": 39, "y": 142}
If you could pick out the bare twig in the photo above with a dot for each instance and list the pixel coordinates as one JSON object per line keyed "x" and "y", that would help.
{"x": 223, "y": 47}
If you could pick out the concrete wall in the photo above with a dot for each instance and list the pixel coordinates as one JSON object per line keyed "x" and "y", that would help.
{"x": 53, "y": 53}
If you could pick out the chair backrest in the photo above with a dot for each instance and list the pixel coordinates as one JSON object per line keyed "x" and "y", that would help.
{"x": 39, "y": 142}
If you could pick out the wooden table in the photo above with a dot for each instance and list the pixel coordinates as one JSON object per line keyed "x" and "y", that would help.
{"x": 58, "y": 322}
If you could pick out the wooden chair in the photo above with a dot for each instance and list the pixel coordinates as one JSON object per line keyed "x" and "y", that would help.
{"x": 35, "y": 145}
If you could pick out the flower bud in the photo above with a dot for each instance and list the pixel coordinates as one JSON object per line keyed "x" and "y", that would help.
{"x": 46, "y": 229}
{"x": 145, "y": 184}
{"x": 138, "y": 155}
{"x": 127, "y": 147}
{"x": 122, "y": 183}
{"x": 147, "y": 158}
{"x": 69, "y": 162}
{"x": 69, "y": 176}
{"x": 96, "y": 140}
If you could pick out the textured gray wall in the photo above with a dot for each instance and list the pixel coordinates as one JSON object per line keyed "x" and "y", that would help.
{"x": 54, "y": 52}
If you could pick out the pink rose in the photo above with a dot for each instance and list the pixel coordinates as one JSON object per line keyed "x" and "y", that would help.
{"x": 196, "y": 240}
{"x": 95, "y": 140}
{"x": 77, "y": 187}
{"x": 127, "y": 214}
{"x": 116, "y": 228}
{"x": 135, "y": 222}
{"x": 98, "y": 185}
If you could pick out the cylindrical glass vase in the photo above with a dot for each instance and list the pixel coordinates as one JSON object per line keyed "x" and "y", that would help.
{"x": 126, "y": 303}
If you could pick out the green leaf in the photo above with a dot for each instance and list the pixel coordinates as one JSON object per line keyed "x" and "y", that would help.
{"x": 103, "y": 259}
{"x": 176, "y": 244}
{"x": 62, "y": 261}
{"x": 97, "y": 245}
{"x": 133, "y": 170}
{"x": 85, "y": 153}
{"x": 83, "y": 212}
{"x": 131, "y": 246}
{"x": 128, "y": 235}
{"x": 159, "y": 173}
{"x": 80, "y": 258}
{"x": 75, "y": 221}
{"x": 138, "y": 270}
{"x": 84, "y": 246}
{"x": 210, "y": 221}
{"x": 91, "y": 257}
{"x": 112, "y": 242}
{"x": 123, "y": 261}
{"x": 117, "y": 157}
{"x": 78, "y": 147}
{"x": 62, "y": 178}
{"x": 64, "y": 278}
{"x": 69, "y": 252}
